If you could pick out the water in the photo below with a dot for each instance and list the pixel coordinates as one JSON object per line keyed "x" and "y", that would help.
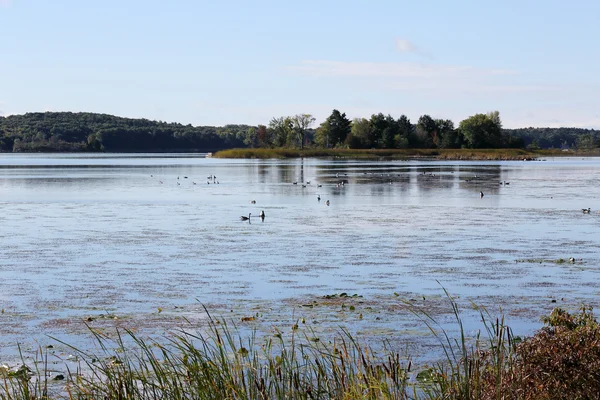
{"x": 147, "y": 238}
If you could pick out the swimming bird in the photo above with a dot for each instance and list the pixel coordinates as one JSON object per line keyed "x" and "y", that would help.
{"x": 308, "y": 182}
{"x": 262, "y": 214}
{"x": 327, "y": 202}
{"x": 294, "y": 183}
{"x": 252, "y": 201}
{"x": 586, "y": 210}
{"x": 244, "y": 218}
{"x": 319, "y": 197}
{"x": 481, "y": 194}
{"x": 319, "y": 185}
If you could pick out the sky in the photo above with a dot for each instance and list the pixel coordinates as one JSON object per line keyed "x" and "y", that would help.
{"x": 246, "y": 61}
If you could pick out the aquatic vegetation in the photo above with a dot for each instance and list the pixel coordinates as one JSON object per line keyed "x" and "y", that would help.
{"x": 558, "y": 362}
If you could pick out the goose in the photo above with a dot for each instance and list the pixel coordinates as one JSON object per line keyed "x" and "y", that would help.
{"x": 244, "y": 218}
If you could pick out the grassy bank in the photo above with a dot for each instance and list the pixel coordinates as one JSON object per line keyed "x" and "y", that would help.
{"x": 558, "y": 362}
{"x": 442, "y": 154}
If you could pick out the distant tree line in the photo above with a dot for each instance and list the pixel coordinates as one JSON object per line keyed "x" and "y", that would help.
{"x": 66, "y": 131}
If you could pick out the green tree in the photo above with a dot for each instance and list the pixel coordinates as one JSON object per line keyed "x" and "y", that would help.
{"x": 586, "y": 142}
{"x": 427, "y": 132}
{"x": 281, "y": 130}
{"x": 360, "y": 133}
{"x": 482, "y": 131}
{"x": 334, "y": 131}
{"x": 406, "y": 133}
{"x": 251, "y": 138}
{"x": 449, "y": 138}
{"x": 301, "y": 122}
{"x": 378, "y": 125}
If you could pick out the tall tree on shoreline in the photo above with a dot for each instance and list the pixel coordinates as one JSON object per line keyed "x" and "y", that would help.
{"x": 281, "y": 129}
{"x": 301, "y": 122}
{"x": 482, "y": 131}
{"x": 334, "y": 131}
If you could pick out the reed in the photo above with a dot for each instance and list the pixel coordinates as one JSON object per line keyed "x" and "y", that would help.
{"x": 219, "y": 362}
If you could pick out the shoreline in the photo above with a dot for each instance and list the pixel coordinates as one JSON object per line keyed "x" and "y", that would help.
{"x": 391, "y": 154}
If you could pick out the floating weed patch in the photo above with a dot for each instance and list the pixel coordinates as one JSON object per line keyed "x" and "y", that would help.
{"x": 570, "y": 260}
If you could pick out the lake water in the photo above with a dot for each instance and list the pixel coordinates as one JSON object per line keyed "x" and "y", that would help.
{"x": 145, "y": 239}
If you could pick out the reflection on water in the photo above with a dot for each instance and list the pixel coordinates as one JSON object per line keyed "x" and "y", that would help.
{"x": 134, "y": 232}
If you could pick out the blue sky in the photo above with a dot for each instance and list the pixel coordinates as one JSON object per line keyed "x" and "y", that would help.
{"x": 220, "y": 62}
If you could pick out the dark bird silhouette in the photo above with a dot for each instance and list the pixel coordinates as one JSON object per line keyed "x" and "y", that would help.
{"x": 586, "y": 210}
{"x": 262, "y": 214}
{"x": 481, "y": 194}
{"x": 319, "y": 197}
{"x": 252, "y": 201}
{"x": 244, "y": 218}
{"x": 327, "y": 202}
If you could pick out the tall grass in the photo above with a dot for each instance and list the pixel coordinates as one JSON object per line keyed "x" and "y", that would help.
{"x": 559, "y": 362}
{"x": 221, "y": 364}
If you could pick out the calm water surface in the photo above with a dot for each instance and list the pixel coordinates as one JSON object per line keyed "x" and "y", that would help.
{"x": 83, "y": 234}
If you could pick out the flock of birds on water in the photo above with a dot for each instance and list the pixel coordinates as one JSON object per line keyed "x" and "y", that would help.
{"x": 212, "y": 179}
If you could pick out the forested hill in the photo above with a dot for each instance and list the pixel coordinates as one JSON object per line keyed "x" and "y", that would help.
{"x": 67, "y": 131}
{"x": 556, "y": 138}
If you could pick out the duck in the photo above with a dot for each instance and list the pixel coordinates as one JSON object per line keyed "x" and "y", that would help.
{"x": 481, "y": 194}
{"x": 252, "y": 201}
{"x": 318, "y": 197}
{"x": 244, "y": 218}
{"x": 262, "y": 214}
{"x": 586, "y": 210}
{"x": 327, "y": 202}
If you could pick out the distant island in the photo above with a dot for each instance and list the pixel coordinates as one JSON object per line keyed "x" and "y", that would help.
{"x": 73, "y": 132}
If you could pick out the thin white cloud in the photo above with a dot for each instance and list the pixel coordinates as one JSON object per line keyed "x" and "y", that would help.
{"x": 404, "y": 46}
